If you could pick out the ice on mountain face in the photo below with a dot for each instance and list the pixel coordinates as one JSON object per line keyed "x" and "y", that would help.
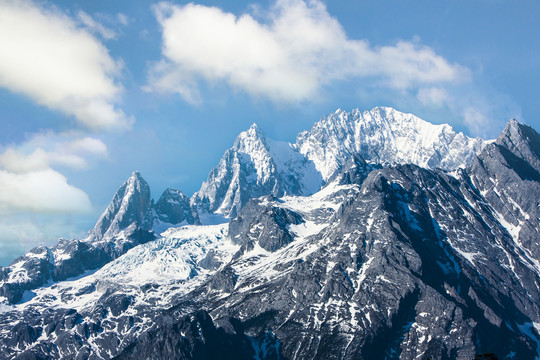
{"x": 170, "y": 261}
{"x": 173, "y": 257}
{"x": 385, "y": 136}
{"x": 255, "y": 166}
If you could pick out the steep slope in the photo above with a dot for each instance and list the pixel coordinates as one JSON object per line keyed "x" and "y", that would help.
{"x": 255, "y": 166}
{"x": 384, "y": 136}
{"x": 507, "y": 173}
{"x": 410, "y": 268}
{"x": 129, "y": 205}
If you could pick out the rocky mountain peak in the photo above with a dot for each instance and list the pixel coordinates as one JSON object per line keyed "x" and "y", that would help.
{"x": 173, "y": 208}
{"x": 251, "y": 141}
{"x": 255, "y": 166}
{"x": 523, "y": 141}
{"x": 135, "y": 176}
{"x": 129, "y": 205}
{"x": 255, "y": 130}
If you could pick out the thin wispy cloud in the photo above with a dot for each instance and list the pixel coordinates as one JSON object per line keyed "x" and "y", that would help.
{"x": 49, "y": 59}
{"x": 296, "y": 50}
{"x": 96, "y": 27}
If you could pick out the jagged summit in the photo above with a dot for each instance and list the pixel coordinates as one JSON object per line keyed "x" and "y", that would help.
{"x": 255, "y": 129}
{"x": 522, "y": 140}
{"x": 507, "y": 173}
{"x": 136, "y": 175}
{"x": 255, "y": 166}
{"x": 384, "y": 136}
{"x": 129, "y": 205}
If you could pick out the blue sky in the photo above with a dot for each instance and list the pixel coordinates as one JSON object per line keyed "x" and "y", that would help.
{"x": 93, "y": 90}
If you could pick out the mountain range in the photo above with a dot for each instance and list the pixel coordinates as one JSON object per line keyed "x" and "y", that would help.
{"x": 377, "y": 235}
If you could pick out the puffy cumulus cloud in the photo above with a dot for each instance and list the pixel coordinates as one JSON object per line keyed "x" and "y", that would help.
{"x": 48, "y": 58}
{"x": 42, "y": 191}
{"x": 296, "y": 50}
{"x": 30, "y": 184}
{"x": 46, "y": 150}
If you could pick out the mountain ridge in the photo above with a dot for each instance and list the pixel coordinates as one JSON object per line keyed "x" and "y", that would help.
{"x": 392, "y": 260}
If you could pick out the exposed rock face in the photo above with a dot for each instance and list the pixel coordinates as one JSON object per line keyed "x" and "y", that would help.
{"x": 412, "y": 267}
{"x": 507, "y": 173}
{"x": 129, "y": 205}
{"x": 172, "y": 208}
{"x": 399, "y": 262}
{"x": 263, "y": 224}
{"x": 384, "y": 136}
{"x": 190, "y": 337}
{"x": 354, "y": 171}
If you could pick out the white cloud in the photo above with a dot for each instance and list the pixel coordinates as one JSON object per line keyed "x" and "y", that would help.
{"x": 30, "y": 184}
{"x": 433, "y": 96}
{"x": 40, "y": 191}
{"x": 46, "y": 57}
{"x": 96, "y": 27}
{"x": 477, "y": 121}
{"x": 298, "y": 50}
{"x": 122, "y": 19}
{"x": 87, "y": 145}
{"x": 49, "y": 149}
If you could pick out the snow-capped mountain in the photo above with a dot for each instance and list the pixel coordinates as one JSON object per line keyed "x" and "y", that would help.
{"x": 385, "y": 261}
{"x": 255, "y": 166}
{"x": 385, "y": 136}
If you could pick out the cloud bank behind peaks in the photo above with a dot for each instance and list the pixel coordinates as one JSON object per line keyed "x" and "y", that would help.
{"x": 46, "y": 57}
{"x": 296, "y": 50}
